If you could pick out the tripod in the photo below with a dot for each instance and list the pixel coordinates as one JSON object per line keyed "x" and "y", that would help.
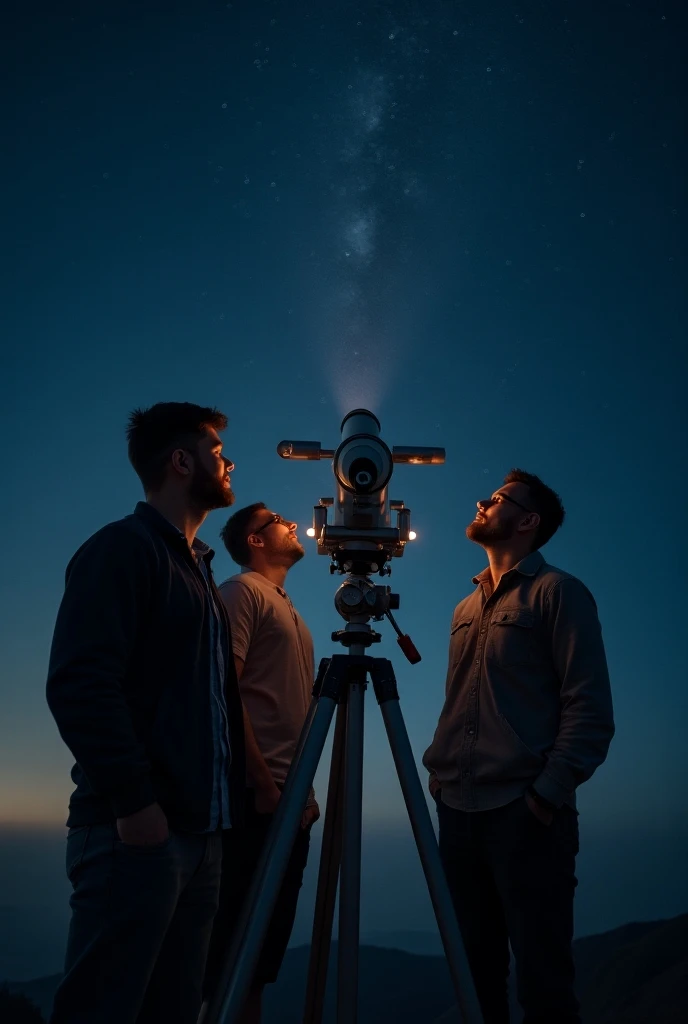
{"x": 341, "y": 684}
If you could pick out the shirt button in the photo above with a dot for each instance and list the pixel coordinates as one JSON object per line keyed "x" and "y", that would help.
{"x": 473, "y": 691}
{"x": 470, "y": 732}
{"x": 466, "y": 774}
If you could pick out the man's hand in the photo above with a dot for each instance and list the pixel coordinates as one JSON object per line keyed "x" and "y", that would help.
{"x": 433, "y": 785}
{"x": 267, "y": 796}
{"x": 310, "y": 816}
{"x": 144, "y": 828}
{"x": 541, "y": 813}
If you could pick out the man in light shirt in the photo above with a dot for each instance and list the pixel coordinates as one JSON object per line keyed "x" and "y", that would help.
{"x": 273, "y": 655}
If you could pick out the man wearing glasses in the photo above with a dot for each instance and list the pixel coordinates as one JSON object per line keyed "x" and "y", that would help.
{"x": 527, "y": 718}
{"x": 273, "y": 655}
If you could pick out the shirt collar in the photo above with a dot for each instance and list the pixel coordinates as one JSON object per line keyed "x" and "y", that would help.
{"x": 262, "y": 579}
{"x": 202, "y": 549}
{"x": 169, "y": 530}
{"x": 528, "y": 566}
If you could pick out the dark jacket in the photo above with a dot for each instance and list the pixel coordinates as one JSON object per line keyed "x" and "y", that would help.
{"x": 129, "y": 678}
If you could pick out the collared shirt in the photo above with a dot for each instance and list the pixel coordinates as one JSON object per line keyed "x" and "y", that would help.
{"x": 219, "y": 806}
{"x": 528, "y": 700}
{"x": 276, "y": 646}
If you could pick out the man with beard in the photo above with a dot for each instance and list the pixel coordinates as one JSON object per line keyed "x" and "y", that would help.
{"x": 143, "y": 689}
{"x": 273, "y": 654}
{"x": 527, "y": 719}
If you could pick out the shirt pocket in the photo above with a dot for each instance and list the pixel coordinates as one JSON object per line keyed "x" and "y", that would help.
{"x": 512, "y": 638}
{"x": 457, "y": 640}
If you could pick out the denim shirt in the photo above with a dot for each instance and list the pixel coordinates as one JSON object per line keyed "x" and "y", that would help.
{"x": 528, "y": 700}
{"x": 219, "y": 807}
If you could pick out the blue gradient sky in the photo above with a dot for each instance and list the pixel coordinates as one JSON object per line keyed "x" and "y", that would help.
{"x": 467, "y": 217}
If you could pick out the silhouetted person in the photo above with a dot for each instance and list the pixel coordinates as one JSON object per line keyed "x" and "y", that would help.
{"x": 16, "y": 1008}
{"x": 527, "y": 719}
{"x": 143, "y": 689}
{"x": 273, "y": 653}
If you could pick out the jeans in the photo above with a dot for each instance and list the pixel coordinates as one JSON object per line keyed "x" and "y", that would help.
{"x": 512, "y": 879}
{"x": 141, "y": 923}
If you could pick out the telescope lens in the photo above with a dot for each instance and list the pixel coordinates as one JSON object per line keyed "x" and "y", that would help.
{"x": 363, "y": 474}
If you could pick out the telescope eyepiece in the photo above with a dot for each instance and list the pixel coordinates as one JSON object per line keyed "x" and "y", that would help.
{"x": 363, "y": 474}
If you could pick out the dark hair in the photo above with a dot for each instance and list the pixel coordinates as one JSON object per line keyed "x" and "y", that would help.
{"x": 234, "y": 533}
{"x": 544, "y": 501}
{"x": 153, "y": 434}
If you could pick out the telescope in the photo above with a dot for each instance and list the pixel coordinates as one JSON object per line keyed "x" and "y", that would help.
{"x": 361, "y": 538}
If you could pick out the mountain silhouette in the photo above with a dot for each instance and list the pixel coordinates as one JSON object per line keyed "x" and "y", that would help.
{"x": 640, "y": 978}
{"x": 636, "y": 974}
{"x": 16, "y": 1008}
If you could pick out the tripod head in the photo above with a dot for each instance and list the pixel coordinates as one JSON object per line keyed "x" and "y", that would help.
{"x": 362, "y": 540}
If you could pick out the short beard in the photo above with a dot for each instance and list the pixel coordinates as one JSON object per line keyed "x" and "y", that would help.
{"x": 290, "y": 550}
{"x": 482, "y": 533}
{"x": 207, "y": 492}
{"x": 297, "y": 555}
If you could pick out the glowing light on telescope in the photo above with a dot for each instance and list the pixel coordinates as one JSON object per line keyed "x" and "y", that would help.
{"x": 310, "y": 532}
{"x": 412, "y": 535}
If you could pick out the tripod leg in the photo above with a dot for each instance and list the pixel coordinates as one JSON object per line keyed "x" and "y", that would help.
{"x": 328, "y": 877}
{"x": 230, "y": 996}
{"x": 312, "y": 707}
{"x": 388, "y": 698}
{"x": 350, "y": 882}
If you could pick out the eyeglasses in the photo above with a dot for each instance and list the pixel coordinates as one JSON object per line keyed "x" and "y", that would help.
{"x": 503, "y": 497}
{"x": 274, "y": 518}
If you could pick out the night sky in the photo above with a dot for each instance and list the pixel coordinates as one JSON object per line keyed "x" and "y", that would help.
{"x": 465, "y": 216}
